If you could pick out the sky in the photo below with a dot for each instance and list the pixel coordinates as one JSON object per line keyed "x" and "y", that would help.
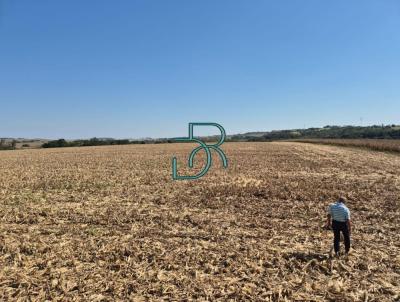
{"x": 134, "y": 69}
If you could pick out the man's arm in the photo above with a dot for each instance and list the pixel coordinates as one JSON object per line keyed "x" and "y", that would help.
{"x": 348, "y": 225}
{"x": 328, "y": 218}
{"x": 328, "y": 221}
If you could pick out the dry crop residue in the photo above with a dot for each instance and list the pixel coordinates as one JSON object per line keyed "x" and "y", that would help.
{"x": 109, "y": 223}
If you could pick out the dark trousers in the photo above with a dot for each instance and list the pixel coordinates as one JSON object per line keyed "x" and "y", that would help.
{"x": 337, "y": 227}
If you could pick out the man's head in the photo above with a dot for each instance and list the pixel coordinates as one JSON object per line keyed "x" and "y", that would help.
{"x": 342, "y": 200}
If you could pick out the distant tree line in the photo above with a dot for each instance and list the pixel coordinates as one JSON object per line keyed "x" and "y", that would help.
{"x": 11, "y": 145}
{"x": 331, "y": 132}
{"x": 99, "y": 142}
{"x": 354, "y": 132}
{"x": 84, "y": 142}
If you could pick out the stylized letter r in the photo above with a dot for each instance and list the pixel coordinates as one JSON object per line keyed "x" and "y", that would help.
{"x": 202, "y": 146}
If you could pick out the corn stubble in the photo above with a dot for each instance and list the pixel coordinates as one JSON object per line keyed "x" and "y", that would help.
{"x": 108, "y": 223}
{"x": 384, "y": 145}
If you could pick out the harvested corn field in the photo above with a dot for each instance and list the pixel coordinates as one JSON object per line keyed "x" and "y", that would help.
{"x": 389, "y": 145}
{"x": 110, "y": 224}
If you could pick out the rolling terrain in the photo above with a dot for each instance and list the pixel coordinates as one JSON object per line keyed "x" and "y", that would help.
{"x": 109, "y": 223}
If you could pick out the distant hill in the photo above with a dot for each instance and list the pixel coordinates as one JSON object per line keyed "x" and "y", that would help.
{"x": 353, "y": 132}
{"x": 9, "y": 143}
{"x": 327, "y": 132}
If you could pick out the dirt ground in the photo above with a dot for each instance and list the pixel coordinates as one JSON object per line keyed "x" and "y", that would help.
{"x": 109, "y": 224}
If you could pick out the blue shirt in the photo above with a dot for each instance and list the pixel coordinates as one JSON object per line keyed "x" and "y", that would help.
{"x": 339, "y": 211}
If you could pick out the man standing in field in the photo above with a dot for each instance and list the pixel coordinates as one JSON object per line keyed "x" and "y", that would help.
{"x": 339, "y": 220}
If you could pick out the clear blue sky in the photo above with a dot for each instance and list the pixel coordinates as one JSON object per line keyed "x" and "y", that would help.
{"x": 146, "y": 68}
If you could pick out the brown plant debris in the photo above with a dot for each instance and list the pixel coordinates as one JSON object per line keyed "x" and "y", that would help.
{"x": 110, "y": 224}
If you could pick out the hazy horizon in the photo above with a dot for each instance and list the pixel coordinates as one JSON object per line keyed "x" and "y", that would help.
{"x": 184, "y": 132}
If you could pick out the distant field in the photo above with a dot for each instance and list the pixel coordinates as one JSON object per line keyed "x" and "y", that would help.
{"x": 30, "y": 144}
{"x": 391, "y": 145}
{"x": 108, "y": 223}
{"x": 24, "y": 143}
